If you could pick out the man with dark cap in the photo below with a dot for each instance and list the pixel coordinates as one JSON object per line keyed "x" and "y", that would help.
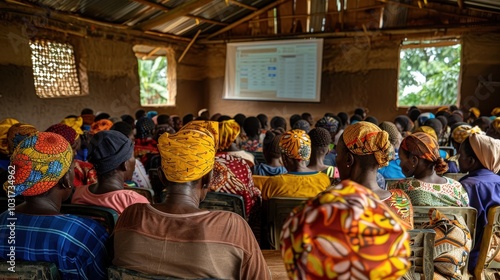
{"x": 112, "y": 155}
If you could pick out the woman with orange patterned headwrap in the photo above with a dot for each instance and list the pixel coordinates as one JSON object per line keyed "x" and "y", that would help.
{"x": 362, "y": 149}
{"x": 419, "y": 154}
{"x": 345, "y": 233}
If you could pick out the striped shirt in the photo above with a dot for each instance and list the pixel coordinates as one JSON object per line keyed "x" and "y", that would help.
{"x": 77, "y": 246}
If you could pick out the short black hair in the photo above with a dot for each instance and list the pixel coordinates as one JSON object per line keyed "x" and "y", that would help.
{"x": 162, "y": 119}
{"x": 123, "y": 127}
{"x": 294, "y": 118}
{"x": 140, "y": 113}
{"x": 240, "y": 119}
{"x": 102, "y": 116}
{"x": 356, "y": 117}
{"x": 278, "y": 122}
{"x": 87, "y": 111}
{"x": 306, "y": 115}
{"x": 320, "y": 137}
{"x": 372, "y": 119}
{"x": 224, "y": 118}
{"x": 251, "y": 125}
{"x": 413, "y": 114}
{"x": 187, "y": 118}
{"x": 436, "y": 125}
{"x": 343, "y": 117}
{"x": 263, "y": 120}
{"x": 359, "y": 111}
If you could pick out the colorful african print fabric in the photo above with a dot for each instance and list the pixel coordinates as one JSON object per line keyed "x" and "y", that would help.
{"x": 345, "y": 233}
{"x": 228, "y": 132}
{"x": 461, "y": 132}
{"x": 233, "y": 175}
{"x": 74, "y": 123}
{"x": 422, "y": 193}
{"x": 40, "y": 161}
{"x": 296, "y": 144}
{"x": 85, "y": 174}
{"x": 17, "y": 133}
{"x": 4, "y": 129}
{"x": 143, "y": 148}
{"x": 101, "y": 125}
{"x": 252, "y": 146}
{"x": 400, "y": 203}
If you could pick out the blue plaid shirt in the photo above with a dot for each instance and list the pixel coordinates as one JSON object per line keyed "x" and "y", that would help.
{"x": 77, "y": 246}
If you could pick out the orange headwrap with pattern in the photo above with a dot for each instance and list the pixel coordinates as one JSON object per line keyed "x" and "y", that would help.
{"x": 365, "y": 138}
{"x": 211, "y": 126}
{"x": 461, "y": 132}
{"x": 424, "y": 146}
{"x": 101, "y": 125}
{"x": 74, "y": 123}
{"x": 187, "y": 155}
{"x": 345, "y": 232}
{"x": 228, "y": 132}
{"x": 296, "y": 144}
{"x": 39, "y": 162}
{"x": 4, "y": 129}
{"x": 18, "y": 133}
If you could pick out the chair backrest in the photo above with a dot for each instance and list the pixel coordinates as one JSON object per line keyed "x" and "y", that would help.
{"x": 469, "y": 215}
{"x": 487, "y": 252}
{"x": 105, "y": 216}
{"x": 147, "y": 193}
{"x": 156, "y": 184}
{"x": 224, "y": 201}
{"x": 278, "y": 209}
{"x": 29, "y": 270}
{"x": 455, "y": 176}
{"x": 422, "y": 254}
{"x": 450, "y": 150}
{"x": 259, "y": 157}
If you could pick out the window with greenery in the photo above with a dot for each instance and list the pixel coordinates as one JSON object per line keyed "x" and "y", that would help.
{"x": 55, "y": 70}
{"x": 428, "y": 76}
{"x": 157, "y": 75}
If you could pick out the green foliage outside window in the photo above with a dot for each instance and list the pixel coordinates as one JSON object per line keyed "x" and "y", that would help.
{"x": 153, "y": 78}
{"x": 429, "y": 76}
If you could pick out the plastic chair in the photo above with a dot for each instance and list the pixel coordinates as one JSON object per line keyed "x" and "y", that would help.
{"x": 278, "y": 209}
{"x": 107, "y": 217}
{"x": 147, "y": 193}
{"x": 487, "y": 267}
{"x": 29, "y": 270}
{"x": 422, "y": 254}
{"x": 224, "y": 201}
{"x": 119, "y": 273}
{"x": 469, "y": 215}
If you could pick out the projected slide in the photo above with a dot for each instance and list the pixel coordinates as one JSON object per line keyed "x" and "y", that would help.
{"x": 282, "y": 70}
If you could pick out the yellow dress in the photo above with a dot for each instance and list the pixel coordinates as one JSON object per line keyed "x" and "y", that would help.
{"x": 291, "y": 184}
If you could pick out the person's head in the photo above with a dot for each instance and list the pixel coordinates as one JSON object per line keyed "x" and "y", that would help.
{"x": 394, "y": 136}
{"x": 362, "y": 147}
{"x": 140, "y": 114}
{"x": 101, "y": 125}
{"x": 479, "y": 151}
{"x": 17, "y": 133}
{"x": 215, "y": 117}
{"x": 429, "y": 130}
{"x": 203, "y": 114}
{"x": 453, "y": 108}
{"x": 494, "y": 129}
{"x": 177, "y": 123}
{"x": 320, "y": 141}
{"x": 332, "y": 228}
{"x": 228, "y": 132}
{"x": 251, "y": 125}
{"x": 482, "y": 122}
{"x": 372, "y": 120}
{"x": 128, "y": 119}
{"x": 144, "y": 128}
{"x": 344, "y": 118}
{"x": 454, "y": 118}
{"x": 308, "y": 117}
{"x": 474, "y": 114}
{"x": 294, "y": 118}
{"x": 74, "y": 122}
{"x": 125, "y": 128}
{"x": 403, "y": 123}
{"x": 444, "y": 122}
{"x": 187, "y": 118}
{"x": 419, "y": 152}
{"x": 277, "y": 122}
{"x": 422, "y": 118}
{"x": 263, "y": 121}
{"x": 240, "y": 119}
{"x": 102, "y": 116}
{"x": 270, "y": 146}
{"x": 163, "y": 119}
{"x": 68, "y": 133}
{"x": 330, "y": 124}
{"x": 355, "y": 118}
{"x": 295, "y": 147}
{"x": 413, "y": 114}
{"x": 112, "y": 154}
{"x": 224, "y": 118}
{"x": 187, "y": 158}
{"x": 302, "y": 125}
{"x": 461, "y": 132}
{"x": 43, "y": 162}
{"x": 5, "y": 125}
{"x": 360, "y": 112}
{"x": 495, "y": 112}
{"x": 87, "y": 111}
{"x": 436, "y": 125}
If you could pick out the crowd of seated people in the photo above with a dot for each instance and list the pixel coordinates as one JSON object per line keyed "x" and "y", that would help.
{"x": 250, "y": 158}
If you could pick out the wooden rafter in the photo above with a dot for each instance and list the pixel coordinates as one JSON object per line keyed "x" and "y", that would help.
{"x": 247, "y": 18}
{"x": 433, "y": 10}
{"x": 248, "y": 7}
{"x": 189, "y": 45}
{"x": 149, "y": 54}
{"x": 160, "y": 7}
{"x": 179, "y": 11}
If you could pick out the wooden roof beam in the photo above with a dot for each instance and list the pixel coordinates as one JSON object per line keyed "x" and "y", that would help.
{"x": 165, "y": 9}
{"x": 179, "y": 11}
{"x": 247, "y": 18}
{"x": 248, "y": 7}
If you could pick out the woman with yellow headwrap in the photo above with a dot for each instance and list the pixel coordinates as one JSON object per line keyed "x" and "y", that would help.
{"x": 459, "y": 133}
{"x": 419, "y": 154}
{"x": 42, "y": 172}
{"x": 494, "y": 129}
{"x": 228, "y": 132}
{"x": 300, "y": 181}
{"x": 480, "y": 157}
{"x": 345, "y": 233}
{"x": 362, "y": 149}
{"x": 195, "y": 243}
